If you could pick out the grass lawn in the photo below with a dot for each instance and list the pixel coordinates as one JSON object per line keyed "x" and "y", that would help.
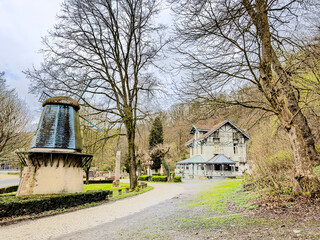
{"x": 115, "y": 196}
{"x": 216, "y": 196}
{"x": 221, "y": 207}
{"x": 104, "y": 186}
{"x": 8, "y": 176}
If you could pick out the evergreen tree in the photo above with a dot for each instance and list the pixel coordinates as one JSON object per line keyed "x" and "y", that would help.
{"x": 156, "y": 138}
{"x": 156, "y": 135}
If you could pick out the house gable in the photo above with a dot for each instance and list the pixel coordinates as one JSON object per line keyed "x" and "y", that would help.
{"x": 220, "y": 125}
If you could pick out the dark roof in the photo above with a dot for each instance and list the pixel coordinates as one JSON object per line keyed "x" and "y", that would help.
{"x": 220, "y": 159}
{"x": 217, "y": 126}
{"x": 213, "y": 129}
{"x": 194, "y": 159}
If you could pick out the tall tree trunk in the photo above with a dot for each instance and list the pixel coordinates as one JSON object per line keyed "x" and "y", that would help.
{"x": 284, "y": 101}
{"x": 305, "y": 180}
{"x": 132, "y": 156}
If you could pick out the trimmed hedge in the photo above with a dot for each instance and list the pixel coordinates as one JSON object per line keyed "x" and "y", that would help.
{"x": 156, "y": 174}
{"x": 9, "y": 189}
{"x": 159, "y": 178}
{"x": 36, "y": 204}
{"x": 177, "y": 179}
{"x": 98, "y": 181}
{"x": 144, "y": 178}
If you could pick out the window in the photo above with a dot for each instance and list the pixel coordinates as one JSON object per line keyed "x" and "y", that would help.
{"x": 235, "y": 148}
{"x": 215, "y": 136}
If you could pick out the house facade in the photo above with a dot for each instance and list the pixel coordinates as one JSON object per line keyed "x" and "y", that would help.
{"x": 215, "y": 151}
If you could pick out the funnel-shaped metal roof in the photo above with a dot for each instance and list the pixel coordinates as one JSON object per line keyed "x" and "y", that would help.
{"x": 59, "y": 125}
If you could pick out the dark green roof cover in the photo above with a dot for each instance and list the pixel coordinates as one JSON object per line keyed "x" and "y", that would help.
{"x": 194, "y": 159}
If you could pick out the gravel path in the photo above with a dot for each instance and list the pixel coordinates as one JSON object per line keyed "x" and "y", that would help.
{"x": 159, "y": 221}
{"x": 56, "y": 226}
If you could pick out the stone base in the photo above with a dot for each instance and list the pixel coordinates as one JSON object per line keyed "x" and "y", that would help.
{"x": 60, "y": 174}
{"x": 116, "y": 183}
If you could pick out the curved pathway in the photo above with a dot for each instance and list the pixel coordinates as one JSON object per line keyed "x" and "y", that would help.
{"x": 55, "y": 226}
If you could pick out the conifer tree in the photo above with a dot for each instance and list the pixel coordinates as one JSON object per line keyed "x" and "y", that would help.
{"x": 156, "y": 135}
{"x": 156, "y": 138}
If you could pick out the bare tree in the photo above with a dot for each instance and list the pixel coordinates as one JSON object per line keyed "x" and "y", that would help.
{"x": 229, "y": 44}
{"x": 13, "y": 120}
{"x": 107, "y": 48}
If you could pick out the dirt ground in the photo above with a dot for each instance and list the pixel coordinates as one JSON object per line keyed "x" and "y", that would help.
{"x": 174, "y": 219}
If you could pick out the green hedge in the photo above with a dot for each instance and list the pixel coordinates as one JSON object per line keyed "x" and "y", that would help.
{"x": 25, "y": 205}
{"x": 144, "y": 178}
{"x": 159, "y": 178}
{"x": 177, "y": 178}
{"x": 156, "y": 174}
{"x": 9, "y": 189}
{"x": 98, "y": 181}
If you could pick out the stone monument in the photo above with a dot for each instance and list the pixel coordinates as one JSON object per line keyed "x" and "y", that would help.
{"x": 116, "y": 182}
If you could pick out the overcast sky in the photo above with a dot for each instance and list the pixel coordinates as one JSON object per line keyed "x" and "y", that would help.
{"x": 22, "y": 24}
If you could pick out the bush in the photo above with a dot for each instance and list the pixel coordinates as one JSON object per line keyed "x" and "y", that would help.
{"x": 144, "y": 178}
{"x": 9, "y": 189}
{"x": 156, "y": 174}
{"x": 159, "y": 178}
{"x": 177, "y": 179}
{"x": 98, "y": 181}
{"x": 25, "y": 205}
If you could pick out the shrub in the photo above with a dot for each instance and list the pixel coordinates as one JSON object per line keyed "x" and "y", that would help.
{"x": 159, "y": 178}
{"x": 13, "y": 173}
{"x": 25, "y": 205}
{"x": 144, "y": 178}
{"x": 98, "y": 181}
{"x": 177, "y": 178}
{"x": 156, "y": 174}
{"x": 9, "y": 189}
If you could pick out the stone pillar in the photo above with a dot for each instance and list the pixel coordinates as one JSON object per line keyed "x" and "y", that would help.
{"x": 116, "y": 182}
{"x": 161, "y": 170}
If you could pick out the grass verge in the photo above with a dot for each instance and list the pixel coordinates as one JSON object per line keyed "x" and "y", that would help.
{"x": 222, "y": 206}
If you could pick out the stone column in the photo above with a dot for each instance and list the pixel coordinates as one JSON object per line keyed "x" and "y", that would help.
{"x": 116, "y": 182}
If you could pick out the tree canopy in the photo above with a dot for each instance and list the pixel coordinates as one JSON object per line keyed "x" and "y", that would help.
{"x": 228, "y": 45}
{"x": 156, "y": 134}
{"x": 13, "y": 120}
{"x": 105, "y": 48}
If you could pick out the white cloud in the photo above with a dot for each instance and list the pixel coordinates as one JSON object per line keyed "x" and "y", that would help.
{"x": 22, "y": 24}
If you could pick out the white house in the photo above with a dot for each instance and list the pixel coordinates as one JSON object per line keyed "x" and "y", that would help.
{"x": 215, "y": 151}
